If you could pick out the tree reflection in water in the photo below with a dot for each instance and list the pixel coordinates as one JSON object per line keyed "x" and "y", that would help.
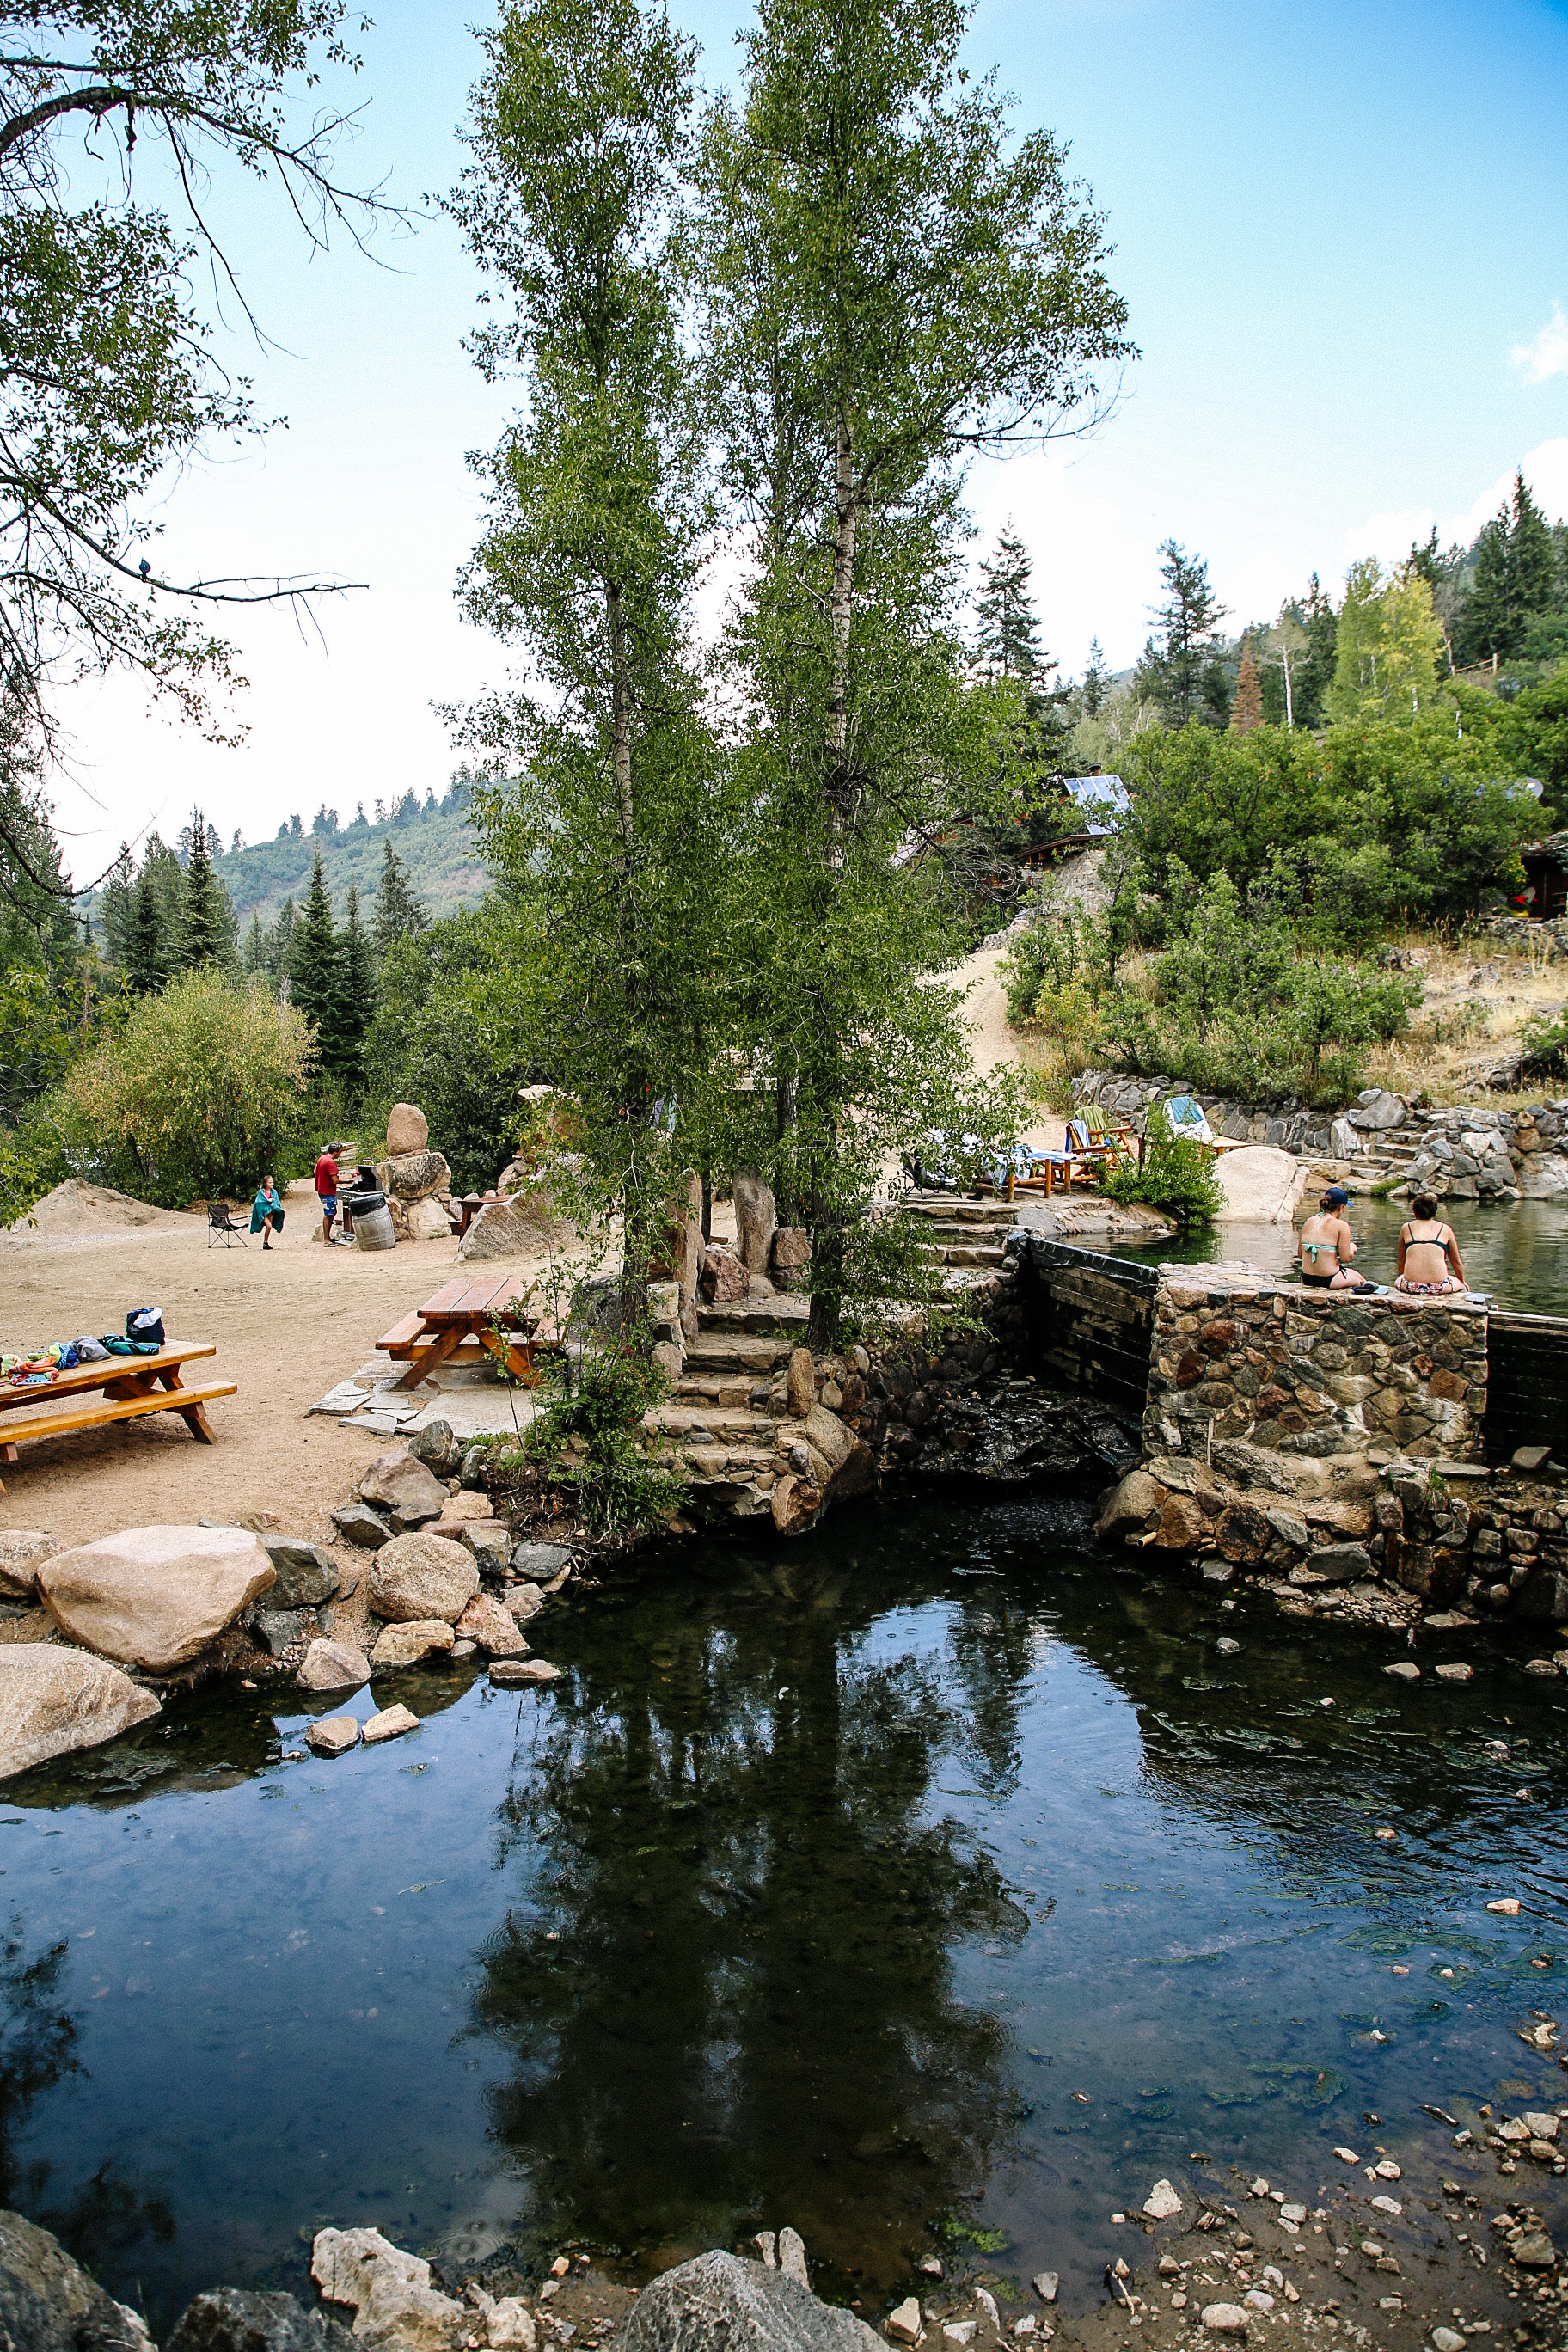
{"x": 725, "y": 1978}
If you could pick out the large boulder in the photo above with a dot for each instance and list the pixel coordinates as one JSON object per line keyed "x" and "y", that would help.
{"x": 755, "y": 1220}
{"x": 408, "y": 1130}
{"x": 234, "y": 2319}
{"x": 721, "y": 2303}
{"x": 429, "y": 1221}
{"x": 1139, "y": 1502}
{"x": 23, "y": 1551}
{"x": 404, "y": 1488}
{"x": 394, "y": 2305}
{"x": 419, "y": 1576}
{"x": 153, "y": 1597}
{"x": 306, "y": 1574}
{"x": 1544, "y": 1176}
{"x": 510, "y": 1229}
{"x": 53, "y": 1700}
{"x": 1377, "y": 1110}
{"x": 49, "y": 2303}
{"x": 414, "y": 1176}
{"x": 1261, "y": 1186}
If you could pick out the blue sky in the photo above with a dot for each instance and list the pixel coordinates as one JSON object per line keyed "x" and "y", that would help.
{"x": 1341, "y": 232}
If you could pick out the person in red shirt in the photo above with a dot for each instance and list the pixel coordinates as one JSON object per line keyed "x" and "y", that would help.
{"x": 326, "y": 1191}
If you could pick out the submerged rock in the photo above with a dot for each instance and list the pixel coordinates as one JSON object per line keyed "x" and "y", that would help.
{"x": 721, "y": 2303}
{"x": 513, "y": 1674}
{"x": 155, "y": 1597}
{"x": 49, "y": 2303}
{"x": 232, "y": 2319}
{"x": 54, "y": 1700}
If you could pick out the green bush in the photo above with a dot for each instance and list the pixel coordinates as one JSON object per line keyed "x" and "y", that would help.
{"x": 1176, "y": 1175}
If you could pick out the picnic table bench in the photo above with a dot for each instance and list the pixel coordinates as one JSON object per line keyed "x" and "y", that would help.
{"x": 464, "y": 1323}
{"x": 132, "y": 1386}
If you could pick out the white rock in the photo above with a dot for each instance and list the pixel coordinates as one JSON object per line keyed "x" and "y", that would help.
{"x": 1404, "y": 1670}
{"x": 792, "y": 2257}
{"x": 1258, "y": 2298}
{"x": 408, "y": 1130}
{"x": 155, "y": 1597}
{"x": 333, "y": 1734}
{"x": 1448, "y": 2339}
{"x": 1162, "y": 2204}
{"x": 509, "y": 2324}
{"x": 23, "y": 1551}
{"x": 1046, "y": 2283}
{"x": 1224, "y": 2318}
{"x": 1387, "y": 2170}
{"x": 904, "y": 2323}
{"x": 54, "y": 1700}
{"x": 1347, "y": 2156}
{"x": 1260, "y": 2188}
{"x": 1027, "y": 2325}
{"x": 429, "y": 1221}
{"x": 1508, "y": 1905}
{"x": 1389, "y": 2205}
{"x": 1540, "y": 2126}
{"x": 1261, "y": 1186}
{"x": 1293, "y": 2216}
{"x": 987, "y": 2302}
{"x": 960, "y": 2331}
{"x": 341, "y": 2262}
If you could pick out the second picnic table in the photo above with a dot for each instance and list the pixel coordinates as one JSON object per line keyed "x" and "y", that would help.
{"x": 465, "y": 1322}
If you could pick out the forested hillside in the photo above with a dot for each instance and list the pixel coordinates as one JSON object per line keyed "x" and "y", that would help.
{"x": 434, "y": 842}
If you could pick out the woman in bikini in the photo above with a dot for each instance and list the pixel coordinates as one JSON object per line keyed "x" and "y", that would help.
{"x": 1430, "y": 1265}
{"x": 1328, "y": 1246}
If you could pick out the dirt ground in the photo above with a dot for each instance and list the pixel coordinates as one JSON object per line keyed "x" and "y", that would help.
{"x": 288, "y": 1325}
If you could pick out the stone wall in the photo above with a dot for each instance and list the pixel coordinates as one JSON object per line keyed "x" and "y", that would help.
{"x": 1309, "y": 1373}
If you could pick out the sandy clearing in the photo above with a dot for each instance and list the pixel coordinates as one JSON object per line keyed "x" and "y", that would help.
{"x": 288, "y": 1325}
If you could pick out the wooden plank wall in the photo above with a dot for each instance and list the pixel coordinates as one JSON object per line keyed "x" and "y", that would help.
{"x": 1091, "y": 1320}
{"x": 1527, "y": 1384}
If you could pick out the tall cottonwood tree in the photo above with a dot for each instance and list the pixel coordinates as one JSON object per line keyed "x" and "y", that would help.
{"x": 890, "y": 284}
{"x": 587, "y": 564}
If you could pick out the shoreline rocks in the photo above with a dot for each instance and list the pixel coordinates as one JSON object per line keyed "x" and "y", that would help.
{"x": 155, "y": 1597}
{"x": 54, "y": 1700}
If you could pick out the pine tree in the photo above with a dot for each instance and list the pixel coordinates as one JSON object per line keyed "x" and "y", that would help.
{"x": 255, "y": 958}
{"x": 358, "y": 994}
{"x": 399, "y": 910}
{"x": 315, "y": 967}
{"x": 146, "y": 950}
{"x": 1247, "y": 708}
{"x": 1096, "y": 681}
{"x": 280, "y": 946}
{"x": 205, "y": 935}
{"x": 119, "y": 905}
{"x": 1009, "y": 633}
{"x": 1180, "y": 668}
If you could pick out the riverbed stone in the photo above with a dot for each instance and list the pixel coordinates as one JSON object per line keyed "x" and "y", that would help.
{"x": 388, "y": 1723}
{"x": 1346, "y": 1563}
{"x": 719, "y": 2303}
{"x": 495, "y": 1630}
{"x": 332, "y": 1666}
{"x": 395, "y": 2306}
{"x": 420, "y": 1576}
{"x": 306, "y": 1574}
{"x": 1162, "y": 2204}
{"x": 358, "y": 1524}
{"x": 515, "y": 1673}
{"x": 1534, "y": 2251}
{"x": 1224, "y": 2318}
{"x": 1543, "y": 1596}
{"x": 54, "y": 1700}
{"x": 235, "y": 2319}
{"x": 48, "y": 2303}
{"x": 509, "y": 2326}
{"x": 155, "y": 1597}
{"x": 333, "y": 1734}
{"x": 402, "y": 1489}
{"x": 23, "y": 1551}
{"x": 1130, "y": 1507}
{"x": 406, "y": 1644}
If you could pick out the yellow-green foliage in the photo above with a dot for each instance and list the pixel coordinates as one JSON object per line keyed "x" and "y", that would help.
{"x": 196, "y": 1091}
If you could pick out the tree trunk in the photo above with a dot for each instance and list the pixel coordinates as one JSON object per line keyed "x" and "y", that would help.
{"x": 847, "y": 514}
{"x": 620, "y": 719}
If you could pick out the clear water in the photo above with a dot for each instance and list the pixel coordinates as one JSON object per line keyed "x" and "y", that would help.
{"x": 1517, "y": 1251}
{"x": 932, "y": 1880}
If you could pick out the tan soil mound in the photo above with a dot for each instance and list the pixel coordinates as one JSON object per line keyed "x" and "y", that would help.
{"x": 74, "y": 1207}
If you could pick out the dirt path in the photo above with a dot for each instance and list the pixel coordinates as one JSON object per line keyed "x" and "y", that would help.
{"x": 288, "y": 1325}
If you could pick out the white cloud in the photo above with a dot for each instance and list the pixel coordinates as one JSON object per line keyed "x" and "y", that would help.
{"x": 1547, "y": 355}
{"x": 1391, "y": 535}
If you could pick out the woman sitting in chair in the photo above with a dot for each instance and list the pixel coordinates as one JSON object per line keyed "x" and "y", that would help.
{"x": 267, "y": 1211}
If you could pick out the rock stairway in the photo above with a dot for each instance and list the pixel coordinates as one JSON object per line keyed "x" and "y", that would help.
{"x": 964, "y": 1234}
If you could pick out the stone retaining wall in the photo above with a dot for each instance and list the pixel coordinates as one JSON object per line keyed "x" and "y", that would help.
{"x": 1309, "y": 1373}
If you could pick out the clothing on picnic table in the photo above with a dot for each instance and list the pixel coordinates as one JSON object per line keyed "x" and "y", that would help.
{"x": 266, "y": 1204}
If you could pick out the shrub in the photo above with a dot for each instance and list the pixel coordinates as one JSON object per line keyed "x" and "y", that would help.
{"x": 1177, "y": 1175}
{"x": 198, "y": 1092}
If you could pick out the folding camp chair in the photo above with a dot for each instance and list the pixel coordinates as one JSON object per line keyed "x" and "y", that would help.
{"x": 1110, "y": 1145}
{"x": 220, "y": 1221}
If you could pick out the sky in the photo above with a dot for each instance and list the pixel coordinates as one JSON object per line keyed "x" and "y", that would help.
{"x": 1340, "y": 230}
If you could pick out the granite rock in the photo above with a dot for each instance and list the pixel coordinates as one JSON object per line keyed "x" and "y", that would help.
{"x": 54, "y": 1700}
{"x": 155, "y": 1597}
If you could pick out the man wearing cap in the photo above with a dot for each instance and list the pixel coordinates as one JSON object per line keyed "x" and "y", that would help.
{"x": 1328, "y": 1246}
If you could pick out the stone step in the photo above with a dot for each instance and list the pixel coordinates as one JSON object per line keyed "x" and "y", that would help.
{"x": 955, "y": 1254}
{"x": 714, "y": 1352}
{"x": 785, "y": 1316}
{"x": 719, "y": 1422}
{"x": 941, "y": 1209}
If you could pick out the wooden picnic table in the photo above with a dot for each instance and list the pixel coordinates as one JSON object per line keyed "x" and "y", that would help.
{"x": 465, "y": 1322}
{"x": 132, "y": 1386}
{"x": 469, "y": 1206}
